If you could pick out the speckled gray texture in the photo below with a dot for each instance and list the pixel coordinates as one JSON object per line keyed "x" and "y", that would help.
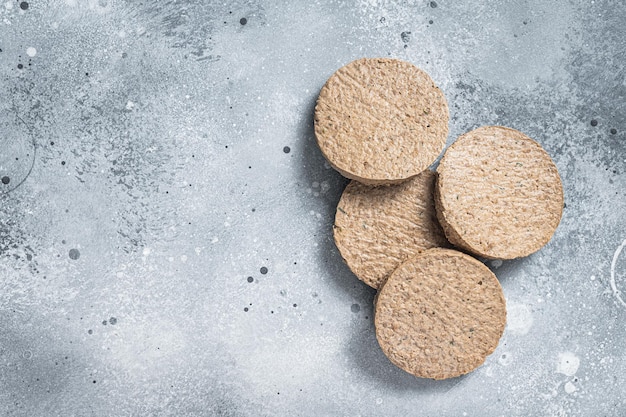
{"x": 150, "y": 139}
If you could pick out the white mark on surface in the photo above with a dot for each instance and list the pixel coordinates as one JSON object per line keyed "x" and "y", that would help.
{"x": 519, "y": 318}
{"x": 569, "y": 387}
{"x": 616, "y": 292}
{"x": 568, "y": 364}
{"x": 215, "y": 240}
{"x": 280, "y": 267}
{"x": 496, "y": 263}
{"x": 146, "y": 251}
{"x": 8, "y": 5}
{"x": 31, "y": 52}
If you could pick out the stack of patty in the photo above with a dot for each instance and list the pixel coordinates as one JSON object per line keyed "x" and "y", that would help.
{"x": 410, "y": 232}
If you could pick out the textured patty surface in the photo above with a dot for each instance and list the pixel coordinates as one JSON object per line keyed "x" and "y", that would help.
{"x": 440, "y": 314}
{"x": 498, "y": 193}
{"x": 380, "y": 121}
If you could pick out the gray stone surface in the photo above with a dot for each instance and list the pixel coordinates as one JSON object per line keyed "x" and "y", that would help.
{"x": 151, "y": 181}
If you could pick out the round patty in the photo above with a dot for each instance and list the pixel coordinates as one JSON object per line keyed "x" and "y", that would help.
{"x": 498, "y": 194}
{"x": 380, "y": 120}
{"x": 378, "y": 228}
{"x": 440, "y": 314}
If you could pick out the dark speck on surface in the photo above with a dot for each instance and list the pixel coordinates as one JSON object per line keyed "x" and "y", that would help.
{"x": 431, "y": 22}
{"x": 355, "y": 308}
{"x": 90, "y": 331}
{"x": 613, "y": 131}
{"x": 594, "y": 122}
{"x": 295, "y": 305}
{"x": 104, "y": 322}
{"x": 245, "y": 309}
{"x": 20, "y": 66}
{"x": 243, "y": 21}
{"x": 250, "y": 279}
{"x": 6, "y": 180}
{"x": 286, "y": 149}
{"x": 406, "y": 37}
{"x": 113, "y": 321}
{"x": 263, "y": 270}
{"x": 433, "y": 4}
{"x": 24, "y": 5}
{"x": 74, "y": 254}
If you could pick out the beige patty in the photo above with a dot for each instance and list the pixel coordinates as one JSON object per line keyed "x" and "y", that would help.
{"x": 378, "y": 228}
{"x": 380, "y": 120}
{"x": 440, "y": 314}
{"x": 498, "y": 194}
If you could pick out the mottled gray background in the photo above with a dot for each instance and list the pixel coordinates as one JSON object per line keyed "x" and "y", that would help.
{"x": 143, "y": 150}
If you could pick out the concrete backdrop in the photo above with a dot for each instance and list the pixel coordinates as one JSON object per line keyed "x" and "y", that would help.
{"x": 166, "y": 216}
